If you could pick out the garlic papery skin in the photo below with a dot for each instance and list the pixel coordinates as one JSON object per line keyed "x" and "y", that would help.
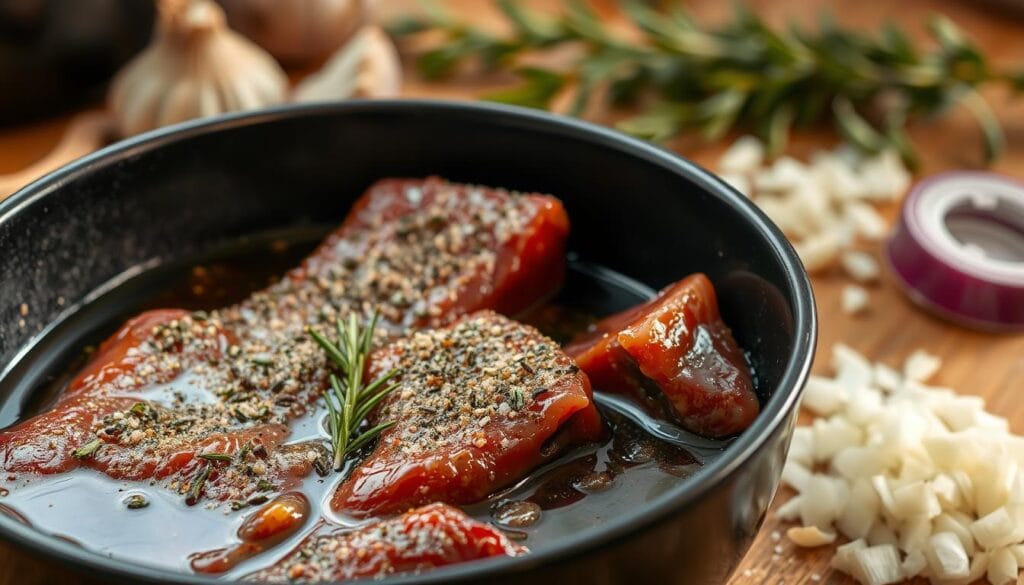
{"x": 368, "y": 66}
{"x": 194, "y": 67}
{"x": 297, "y": 32}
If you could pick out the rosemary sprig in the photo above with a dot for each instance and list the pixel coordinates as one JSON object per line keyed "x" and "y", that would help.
{"x": 685, "y": 76}
{"x": 349, "y": 399}
{"x": 215, "y": 456}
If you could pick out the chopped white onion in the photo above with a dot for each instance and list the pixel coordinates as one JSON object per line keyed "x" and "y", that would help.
{"x": 921, "y": 366}
{"x": 1002, "y": 567}
{"x": 791, "y": 509}
{"x": 996, "y": 529}
{"x": 913, "y": 564}
{"x": 877, "y": 565}
{"x": 861, "y": 511}
{"x": 818, "y": 251}
{"x": 915, "y": 499}
{"x": 823, "y": 396}
{"x": 946, "y": 556}
{"x": 859, "y": 265}
{"x": 738, "y": 182}
{"x": 949, "y": 522}
{"x": 843, "y": 559}
{"x": 826, "y": 206}
{"x": 924, "y": 480}
{"x": 743, "y": 157}
{"x": 855, "y": 299}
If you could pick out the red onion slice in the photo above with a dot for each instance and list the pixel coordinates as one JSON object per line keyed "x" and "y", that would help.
{"x": 958, "y": 249}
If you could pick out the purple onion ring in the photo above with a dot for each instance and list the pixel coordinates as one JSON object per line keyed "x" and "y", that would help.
{"x": 958, "y": 249}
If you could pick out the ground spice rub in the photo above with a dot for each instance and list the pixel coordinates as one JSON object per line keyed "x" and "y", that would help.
{"x": 480, "y": 404}
{"x": 425, "y": 538}
{"x": 205, "y": 398}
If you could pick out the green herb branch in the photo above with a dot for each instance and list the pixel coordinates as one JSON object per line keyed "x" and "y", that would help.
{"x": 684, "y": 76}
{"x": 349, "y": 400}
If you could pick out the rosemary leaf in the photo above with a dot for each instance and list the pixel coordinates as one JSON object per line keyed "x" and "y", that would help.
{"x": 540, "y": 87}
{"x": 349, "y": 400}
{"x": 244, "y": 451}
{"x": 369, "y": 435}
{"x": 195, "y": 491}
{"x": 991, "y": 131}
{"x": 215, "y": 456}
{"x": 856, "y": 129}
{"x": 365, "y": 407}
{"x": 659, "y": 122}
{"x": 537, "y": 30}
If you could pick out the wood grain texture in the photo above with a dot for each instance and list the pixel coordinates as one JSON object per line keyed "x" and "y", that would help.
{"x": 987, "y": 365}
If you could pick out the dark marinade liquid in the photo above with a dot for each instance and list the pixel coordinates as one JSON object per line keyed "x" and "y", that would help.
{"x": 580, "y": 490}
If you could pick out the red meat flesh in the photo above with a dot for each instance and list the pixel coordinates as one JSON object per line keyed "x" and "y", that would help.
{"x": 425, "y": 538}
{"x": 479, "y": 405}
{"x": 677, "y": 345}
{"x": 171, "y": 387}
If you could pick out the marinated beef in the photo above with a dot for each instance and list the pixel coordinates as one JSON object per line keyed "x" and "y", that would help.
{"x": 425, "y": 538}
{"x": 480, "y": 403}
{"x": 205, "y": 398}
{"x": 677, "y": 348}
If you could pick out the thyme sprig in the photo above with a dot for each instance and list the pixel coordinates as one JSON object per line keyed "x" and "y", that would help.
{"x": 745, "y": 75}
{"x": 349, "y": 399}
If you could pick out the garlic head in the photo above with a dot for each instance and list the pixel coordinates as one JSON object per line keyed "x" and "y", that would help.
{"x": 194, "y": 67}
{"x": 296, "y": 31}
{"x": 368, "y": 66}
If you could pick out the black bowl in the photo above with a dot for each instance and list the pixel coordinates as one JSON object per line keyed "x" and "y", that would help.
{"x": 635, "y": 208}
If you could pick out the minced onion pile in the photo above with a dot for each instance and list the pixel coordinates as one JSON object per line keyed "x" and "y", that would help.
{"x": 921, "y": 480}
{"x": 825, "y": 206}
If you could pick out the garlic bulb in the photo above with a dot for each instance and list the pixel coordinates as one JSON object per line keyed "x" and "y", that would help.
{"x": 296, "y": 31}
{"x": 367, "y": 67}
{"x": 194, "y": 67}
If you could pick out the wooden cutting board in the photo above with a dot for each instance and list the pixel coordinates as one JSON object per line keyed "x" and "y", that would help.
{"x": 987, "y": 365}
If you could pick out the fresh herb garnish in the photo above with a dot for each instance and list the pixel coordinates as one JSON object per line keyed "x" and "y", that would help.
{"x": 215, "y": 456}
{"x": 683, "y": 75}
{"x": 195, "y": 491}
{"x": 244, "y": 451}
{"x": 265, "y": 486}
{"x": 262, "y": 361}
{"x": 87, "y": 450}
{"x": 349, "y": 400}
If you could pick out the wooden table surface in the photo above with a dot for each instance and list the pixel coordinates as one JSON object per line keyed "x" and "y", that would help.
{"x": 987, "y": 365}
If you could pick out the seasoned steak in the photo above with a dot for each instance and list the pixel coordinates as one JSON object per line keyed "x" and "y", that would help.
{"x": 425, "y": 538}
{"x": 677, "y": 346}
{"x": 205, "y": 398}
{"x": 480, "y": 404}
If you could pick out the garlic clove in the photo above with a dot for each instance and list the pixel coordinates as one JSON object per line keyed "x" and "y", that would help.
{"x": 194, "y": 67}
{"x": 84, "y": 134}
{"x": 367, "y": 67}
{"x": 179, "y": 101}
